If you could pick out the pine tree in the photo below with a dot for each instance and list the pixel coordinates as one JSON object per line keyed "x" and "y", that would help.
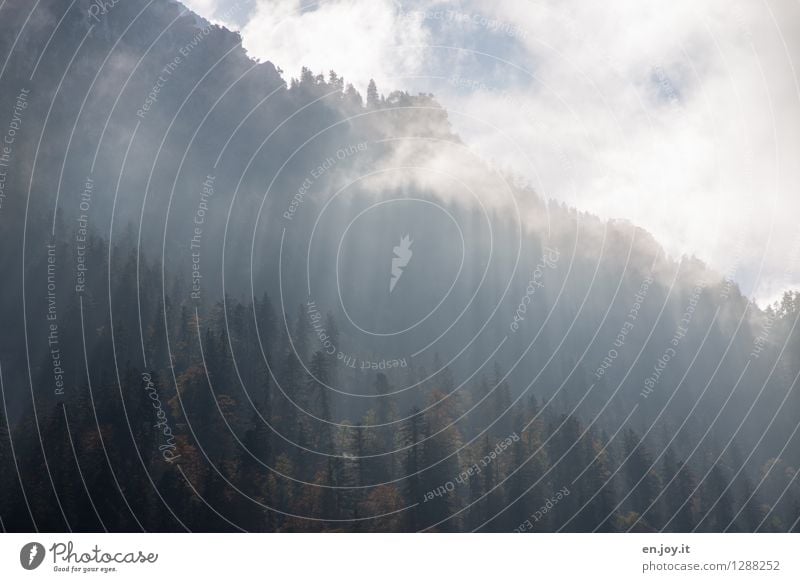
{"x": 318, "y": 388}
{"x": 638, "y": 470}
{"x": 373, "y": 99}
{"x": 410, "y": 440}
{"x": 685, "y": 488}
{"x": 717, "y": 493}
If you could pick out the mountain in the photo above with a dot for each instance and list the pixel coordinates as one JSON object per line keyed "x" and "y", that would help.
{"x": 233, "y": 301}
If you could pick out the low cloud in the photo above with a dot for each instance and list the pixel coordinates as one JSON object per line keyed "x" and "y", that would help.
{"x": 682, "y": 117}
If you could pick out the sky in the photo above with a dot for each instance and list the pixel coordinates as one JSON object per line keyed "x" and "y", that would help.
{"x": 682, "y": 117}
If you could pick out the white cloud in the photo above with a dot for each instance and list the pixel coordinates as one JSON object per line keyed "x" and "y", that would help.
{"x": 677, "y": 116}
{"x": 360, "y": 39}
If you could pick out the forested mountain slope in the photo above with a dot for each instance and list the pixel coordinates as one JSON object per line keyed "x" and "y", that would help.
{"x": 235, "y": 302}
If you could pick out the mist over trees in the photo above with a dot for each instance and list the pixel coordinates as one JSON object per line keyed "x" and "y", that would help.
{"x": 234, "y": 302}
